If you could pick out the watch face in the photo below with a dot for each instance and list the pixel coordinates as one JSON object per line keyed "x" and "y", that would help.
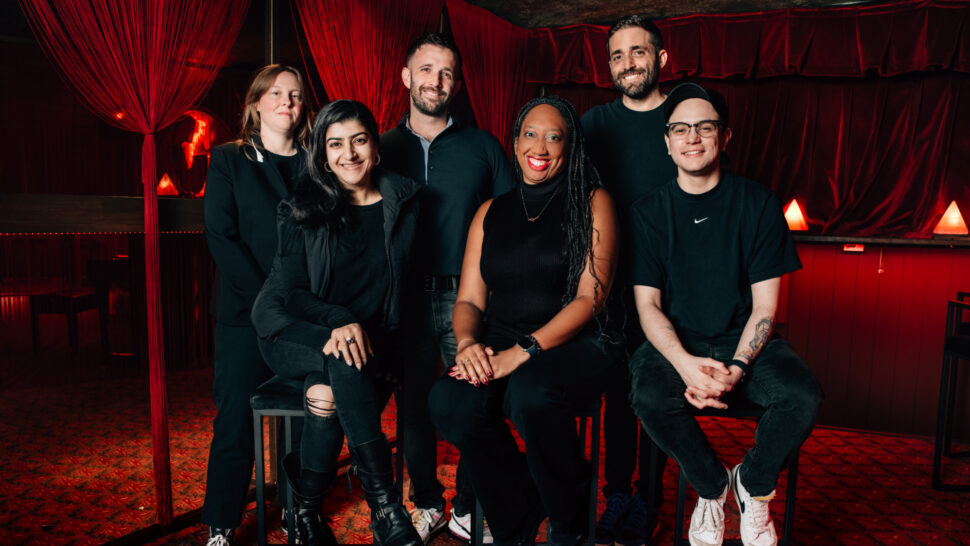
{"x": 525, "y": 343}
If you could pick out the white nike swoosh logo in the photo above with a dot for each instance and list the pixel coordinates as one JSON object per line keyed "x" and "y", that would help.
{"x": 696, "y": 221}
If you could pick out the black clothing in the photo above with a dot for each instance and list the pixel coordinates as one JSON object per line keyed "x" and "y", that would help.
{"x": 240, "y": 218}
{"x": 466, "y": 166}
{"x": 705, "y": 251}
{"x": 524, "y": 263}
{"x": 240, "y": 226}
{"x": 291, "y": 167}
{"x": 628, "y": 150}
{"x": 541, "y": 398}
{"x": 360, "y": 276}
{"x": 303, "y": 269}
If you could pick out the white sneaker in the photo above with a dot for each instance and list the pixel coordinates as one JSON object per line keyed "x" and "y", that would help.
{"x": 757, "y": 529}
{"x": 707, "y": 521}
{"x": 427, "y": 521}
{"x": 461, "y": 528}
{"x": 219, "y": 537}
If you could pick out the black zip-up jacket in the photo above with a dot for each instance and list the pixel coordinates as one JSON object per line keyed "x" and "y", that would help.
{"x": 302, "y": 268}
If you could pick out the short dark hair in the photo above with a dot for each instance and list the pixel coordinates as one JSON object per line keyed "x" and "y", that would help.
{"x": 436, "y": 39}
{"x": 656, "y": 39}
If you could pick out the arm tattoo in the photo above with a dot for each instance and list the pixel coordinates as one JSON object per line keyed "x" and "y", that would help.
{"x": 762, "y": 331}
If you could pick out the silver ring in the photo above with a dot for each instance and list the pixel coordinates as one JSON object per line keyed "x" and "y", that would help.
{"x": 464, "y": 361}
{"x": 350, "y": 340}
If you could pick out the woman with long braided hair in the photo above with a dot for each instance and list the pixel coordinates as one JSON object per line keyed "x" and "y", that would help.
{"x": 534, "y": 344}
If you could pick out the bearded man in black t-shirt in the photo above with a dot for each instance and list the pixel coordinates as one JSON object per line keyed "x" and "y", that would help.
{"x": 710, "y": 250}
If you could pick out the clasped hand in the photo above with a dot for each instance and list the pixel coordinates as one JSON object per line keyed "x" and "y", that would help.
{"x": 707, "y": 381}
{"x": 351, "y": 343}
{"x": 478, "y": 364}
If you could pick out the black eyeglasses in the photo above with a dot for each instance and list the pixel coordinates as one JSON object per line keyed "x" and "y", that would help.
{"x": 704, "y": 128}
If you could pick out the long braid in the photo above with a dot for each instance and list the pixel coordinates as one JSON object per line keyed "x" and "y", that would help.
{"x": 581, "y": 180}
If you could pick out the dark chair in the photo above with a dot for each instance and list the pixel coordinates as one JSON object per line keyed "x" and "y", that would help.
{"x": 956, "y": 349}
{"x": 68, "y": 302}
{"x": 283, "y": 398}
{"x": 594, "y": 413}
{"x": 740, "y": 409}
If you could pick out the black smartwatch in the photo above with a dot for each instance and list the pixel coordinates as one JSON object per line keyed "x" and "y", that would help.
{"x": 529, "y": 345}
{"x": 745, "y": 367}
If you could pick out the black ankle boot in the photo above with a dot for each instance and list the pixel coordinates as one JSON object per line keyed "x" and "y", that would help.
{"x": 390, "y": 523}
{"x": 308, "y": 490}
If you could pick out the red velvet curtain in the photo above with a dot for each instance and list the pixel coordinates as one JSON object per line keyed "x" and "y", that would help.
{"x": 358, "y": 48}
{"x": 853, "y": 110}
{"x": 883, "y": 39}
{"x": 494, "y": 54}
{"x": 139, "y": 65}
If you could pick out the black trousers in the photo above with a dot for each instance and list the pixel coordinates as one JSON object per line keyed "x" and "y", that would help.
{"x": 239, "y": 370}
{"x": 541, "y": 399}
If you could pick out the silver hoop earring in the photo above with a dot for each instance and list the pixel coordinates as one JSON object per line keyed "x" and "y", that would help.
{"x": 326, "y": 167}
{"x": 378, "y": 162}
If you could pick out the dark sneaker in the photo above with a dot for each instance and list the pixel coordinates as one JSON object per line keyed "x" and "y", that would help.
{"x": 613, "y": 518}
{"x": 640, "y": 525}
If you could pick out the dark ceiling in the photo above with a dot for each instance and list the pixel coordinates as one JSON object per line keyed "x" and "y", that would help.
{"x": 546, "y": 13}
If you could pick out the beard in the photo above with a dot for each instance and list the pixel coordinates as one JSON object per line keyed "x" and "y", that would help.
{"x": 639, "y": 90}
{"x": 427, "y": 107}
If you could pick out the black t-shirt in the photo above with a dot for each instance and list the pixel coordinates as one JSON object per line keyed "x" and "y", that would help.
{"x": 465, "y": 167}
{"x": 705, "y": 251}
{"x": 290, "y": 166}
{"x": 360, "y": 266}
{"x": 628, "y": 150}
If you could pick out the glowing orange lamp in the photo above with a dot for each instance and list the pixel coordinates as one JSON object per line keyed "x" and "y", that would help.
{"x": 166, "y": 186}
{"x": 952, "y": 222}
{"x": 794, "y": 217}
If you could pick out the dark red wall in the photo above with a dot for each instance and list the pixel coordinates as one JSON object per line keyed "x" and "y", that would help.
{"x": 875, "y": 339}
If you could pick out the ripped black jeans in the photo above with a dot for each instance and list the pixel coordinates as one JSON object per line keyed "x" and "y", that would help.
{"x": 360, "y": 396}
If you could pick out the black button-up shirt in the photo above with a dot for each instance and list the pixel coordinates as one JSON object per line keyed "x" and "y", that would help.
{"x": 464, "y": 167}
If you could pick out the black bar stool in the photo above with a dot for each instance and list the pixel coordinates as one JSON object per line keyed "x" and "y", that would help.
{"x": 956, "y": 349}
{"x": 281, "y": 397}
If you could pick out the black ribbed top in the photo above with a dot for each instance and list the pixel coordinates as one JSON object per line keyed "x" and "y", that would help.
{"x": 524, "y": 263}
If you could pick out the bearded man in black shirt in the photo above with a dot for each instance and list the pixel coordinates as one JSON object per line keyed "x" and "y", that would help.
{"x": 460, "y": 168}
{"x": 711, "y": 249}
{"x": 625, "y": 139}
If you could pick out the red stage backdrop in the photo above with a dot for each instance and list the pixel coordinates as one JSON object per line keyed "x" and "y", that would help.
{"x": 495, "y": 54}
{"x": 854, "y": 110}
{"x": 358, "y": 48}
{"x": 139, "y": 65}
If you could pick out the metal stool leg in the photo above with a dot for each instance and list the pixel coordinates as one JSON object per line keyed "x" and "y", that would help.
{"x": 260, "y": 479}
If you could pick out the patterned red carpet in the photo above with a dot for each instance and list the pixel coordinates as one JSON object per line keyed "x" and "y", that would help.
{"x": 75, "y": 468}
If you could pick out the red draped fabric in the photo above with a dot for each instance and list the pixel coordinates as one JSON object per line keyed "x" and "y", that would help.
{"x": 853, "y": 41}
{"x": 494, "y": 54}
{"x": 854, "y": 110}
{"x": 139, "y": 65}
{"x": 358, "y": 48}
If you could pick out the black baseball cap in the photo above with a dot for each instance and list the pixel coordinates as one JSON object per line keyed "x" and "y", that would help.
{"x": 691, "y": 90}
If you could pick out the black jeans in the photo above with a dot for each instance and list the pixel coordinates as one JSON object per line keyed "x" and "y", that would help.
{"x": 779, "y": 381}
{"x": 621, "y": 430}
{"x": 541, "y": 399}
{"x": 360, "y": 396}
{"x": 433, "y": 341}
{"x": 239, "y": 370}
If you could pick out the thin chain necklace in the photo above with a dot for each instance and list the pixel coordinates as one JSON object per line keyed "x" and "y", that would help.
{"x": 526, "y": 209}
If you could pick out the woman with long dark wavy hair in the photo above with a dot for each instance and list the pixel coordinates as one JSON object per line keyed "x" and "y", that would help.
{"x": 329, "y": 311}
{"x": 533, "y": 344}
{"x": 246, "y": 179}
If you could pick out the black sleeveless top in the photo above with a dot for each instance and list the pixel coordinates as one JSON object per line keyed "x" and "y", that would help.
{"x": 524, "y": 262}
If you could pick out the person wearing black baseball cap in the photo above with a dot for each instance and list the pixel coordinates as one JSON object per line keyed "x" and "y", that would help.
{"x": 710, "y": 250}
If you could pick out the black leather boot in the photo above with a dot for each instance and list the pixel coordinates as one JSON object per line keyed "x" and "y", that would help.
{"x": 308, "y": 490}
{"x": 390, "y": 522}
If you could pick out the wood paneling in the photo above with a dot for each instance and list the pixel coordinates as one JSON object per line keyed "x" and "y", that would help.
{"x": 871, "y": 327}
